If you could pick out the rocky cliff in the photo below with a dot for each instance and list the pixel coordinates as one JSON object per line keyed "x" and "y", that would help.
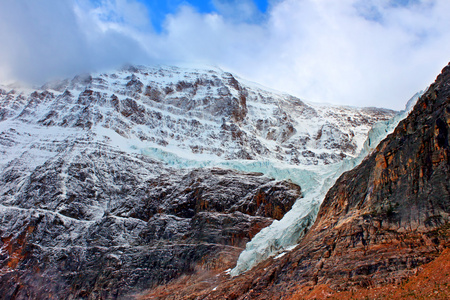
{"x": 378, "y": 224}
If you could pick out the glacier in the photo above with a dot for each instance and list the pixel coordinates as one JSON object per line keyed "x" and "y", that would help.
{"x": 315, "y": 180}
{"x": 283, "y": 235}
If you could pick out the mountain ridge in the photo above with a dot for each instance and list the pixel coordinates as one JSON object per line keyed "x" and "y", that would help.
{"x": 206, "y": 96}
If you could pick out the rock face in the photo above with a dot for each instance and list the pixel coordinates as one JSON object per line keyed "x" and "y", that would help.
{"x": 103, "y": 186}
{"x": 378, "y": 223}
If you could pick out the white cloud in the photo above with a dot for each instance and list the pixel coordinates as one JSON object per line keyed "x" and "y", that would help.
{"x": 331, "y": 53}
{"x": 356, "y": 52}
{"x": 51, "y": 38}
{"x": 238, "y": 10}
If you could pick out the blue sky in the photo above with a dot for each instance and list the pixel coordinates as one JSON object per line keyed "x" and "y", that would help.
{"x": 158, "y": 10}
{"x": 352, "y": 52}
{"x": 161, "y": 8}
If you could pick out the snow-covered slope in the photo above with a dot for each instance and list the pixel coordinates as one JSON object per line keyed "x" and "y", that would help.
{"x": 192, "y": 113}
{"x": 119, "y": 164}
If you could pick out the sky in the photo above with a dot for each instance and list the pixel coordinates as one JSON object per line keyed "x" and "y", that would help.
{"x": 349, "y": 52}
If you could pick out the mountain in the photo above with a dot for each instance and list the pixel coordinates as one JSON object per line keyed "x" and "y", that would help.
{"x": 381, "y": 230}
{"x": 118, "y": 182}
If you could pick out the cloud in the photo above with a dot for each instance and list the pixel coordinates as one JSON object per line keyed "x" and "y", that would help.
{"x": 29, "y": 32}
{"x": 205, "y": 38}
{"x": 376, "y": 53}
{"x": 238, "y": 10}
{"x": 355, "y": 52}
{"x": 52, "y": 38}
{"x": 329, "y": 51}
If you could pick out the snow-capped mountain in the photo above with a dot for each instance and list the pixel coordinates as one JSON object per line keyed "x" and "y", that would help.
{"x": 115, "y": 182}
{"x": 205, "y": 113}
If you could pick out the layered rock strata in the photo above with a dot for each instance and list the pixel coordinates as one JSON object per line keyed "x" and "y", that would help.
{"x": 195, "y": 111}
